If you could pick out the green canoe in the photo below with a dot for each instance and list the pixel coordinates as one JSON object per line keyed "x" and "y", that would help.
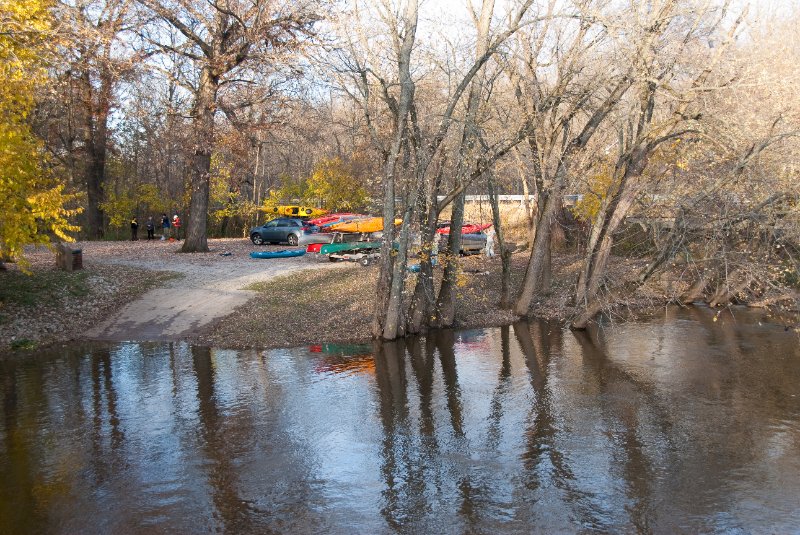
{"x": 352, "y": 246}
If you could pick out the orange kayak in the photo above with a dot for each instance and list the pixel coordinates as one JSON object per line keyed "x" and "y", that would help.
{"x": 370, "y": 224}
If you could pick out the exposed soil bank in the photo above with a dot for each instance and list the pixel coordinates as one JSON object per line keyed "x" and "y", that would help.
{"x": 129, "y": 291}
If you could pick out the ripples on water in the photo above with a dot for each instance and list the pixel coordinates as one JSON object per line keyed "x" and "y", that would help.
{"x": 680, "y": 424}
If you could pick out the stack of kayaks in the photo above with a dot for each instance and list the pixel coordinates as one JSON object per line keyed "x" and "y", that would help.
{"x": 327, "y": 226}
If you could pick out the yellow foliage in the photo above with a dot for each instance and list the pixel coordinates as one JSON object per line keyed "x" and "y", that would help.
{"x": 224, "y": 201}
{"x": 335, "y": 187}
{"x": 149, "y": 196}
{"x": 119, "y": 207}
{"x": 32, "y": 202}
{"x": 331, "y": 186}
{"x": 598, "y": 184}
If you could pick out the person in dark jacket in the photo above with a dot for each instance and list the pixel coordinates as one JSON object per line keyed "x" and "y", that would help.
{"x": 134, "y": 229}
{"x": 151, "y": 228}
{"x": 164, "y": 226}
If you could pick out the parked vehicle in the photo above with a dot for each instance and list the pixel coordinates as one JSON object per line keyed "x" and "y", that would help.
{"x": 282, "y": 229}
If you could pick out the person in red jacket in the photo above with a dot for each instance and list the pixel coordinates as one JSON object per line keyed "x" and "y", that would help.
{"x": 176, "y": 222}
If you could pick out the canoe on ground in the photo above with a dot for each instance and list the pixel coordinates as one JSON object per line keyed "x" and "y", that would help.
{"x": 314, "y": 247}
{"x": 288, "y": 253}
{"x": 371, "y": 224}
{"x": 352, "y": 246}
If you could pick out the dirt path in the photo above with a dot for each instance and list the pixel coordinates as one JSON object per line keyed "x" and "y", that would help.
{"x": 211, "y": 287}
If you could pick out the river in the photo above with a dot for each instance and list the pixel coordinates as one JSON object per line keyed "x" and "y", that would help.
{"x": 679, "y": 424}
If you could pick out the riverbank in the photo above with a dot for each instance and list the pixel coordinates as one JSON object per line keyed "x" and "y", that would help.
{"x": 337, "y": 306}
{"x": 151, "y": 291}
{"x": 144, "y": 290}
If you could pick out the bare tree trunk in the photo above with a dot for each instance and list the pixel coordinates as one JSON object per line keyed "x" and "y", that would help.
{"x": 505, "y": 253}
{"x": 203, "y": 124}
{"x": 539, "y": 260}
{"x": 96, "y": 144}
{"x": 608, "y": 221}
{"x": 424, "y": 300}
{"x": 446, "y": 302}
{"x": 697, "y": 290}
{"x": 391, "y": 279}
{"x": 728, "y": 290}
{"x": 591, "y": 310}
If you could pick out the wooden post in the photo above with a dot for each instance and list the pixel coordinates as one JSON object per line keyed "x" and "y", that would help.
{"x": 64, "y": 257}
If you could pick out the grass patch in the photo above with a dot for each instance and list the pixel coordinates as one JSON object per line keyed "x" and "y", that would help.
{"x": 29, "y": 290}
{"x": 311, "y": 306}
{"x": 307, "y": 288}
{"x": 23, "y": 344}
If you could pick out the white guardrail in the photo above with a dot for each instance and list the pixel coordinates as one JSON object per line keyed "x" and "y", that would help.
{"x": 568, "y": 199}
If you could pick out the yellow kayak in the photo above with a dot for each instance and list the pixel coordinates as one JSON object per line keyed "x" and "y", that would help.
{"x": 370, "y": 224}
{"x": 298, "y": 211}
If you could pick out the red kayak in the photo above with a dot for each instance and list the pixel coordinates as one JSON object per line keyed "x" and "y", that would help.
{"x": 470, "y": 228}
{"x": 314, "y": 247}
{"x": 327, "y": 219}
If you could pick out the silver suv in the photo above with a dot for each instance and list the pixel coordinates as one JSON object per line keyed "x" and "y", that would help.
{"x": 282, "y": 229}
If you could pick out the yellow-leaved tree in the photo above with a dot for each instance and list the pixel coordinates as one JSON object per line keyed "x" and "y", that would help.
{"x": 32, "y": 202}
{"x": 333, "y": 184}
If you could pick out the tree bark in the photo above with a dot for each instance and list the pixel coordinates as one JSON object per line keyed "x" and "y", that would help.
{"x": 446, "y": 301}
{"x": 423, "y": 302}
{"x": 601, "y": 240}
{"x": 539, "y": 259}
{"x": 97, "y": 111}
{"x": 697, "y": 290}
{"x": 391, "y": 279}
{"x": 505, "y": 253}
{"x": 203, "y": 124}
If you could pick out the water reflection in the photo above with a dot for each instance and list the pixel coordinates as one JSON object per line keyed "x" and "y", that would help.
{"x": 682, "y": 424}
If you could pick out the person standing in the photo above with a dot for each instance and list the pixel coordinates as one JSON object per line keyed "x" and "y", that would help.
{"x": 151, "y": 227}
{"x": 164, "y": 227}
{"x": 489, "y": 250}
{"x": 134, "y": 229}
{"x": 176, "y": 222}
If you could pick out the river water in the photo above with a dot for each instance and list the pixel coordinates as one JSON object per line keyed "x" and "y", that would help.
{"x": 681, "y": 424}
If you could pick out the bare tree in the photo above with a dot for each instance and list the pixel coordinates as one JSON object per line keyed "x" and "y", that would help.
{"x": 411, "y": 148}
{"x": 565, "y": 109}
{"x": 650, "y": 121}
{"x": 74, "y": 116}
{"x": 227, "y": 42}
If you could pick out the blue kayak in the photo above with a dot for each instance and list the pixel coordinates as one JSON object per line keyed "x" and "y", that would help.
{"x": 288, "y": 253}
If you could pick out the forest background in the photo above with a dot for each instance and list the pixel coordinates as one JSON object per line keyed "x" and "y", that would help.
{"x": 677, "y": 121}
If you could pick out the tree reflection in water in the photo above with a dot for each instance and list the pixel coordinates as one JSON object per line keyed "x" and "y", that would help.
{"x": 678, "y": 424}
